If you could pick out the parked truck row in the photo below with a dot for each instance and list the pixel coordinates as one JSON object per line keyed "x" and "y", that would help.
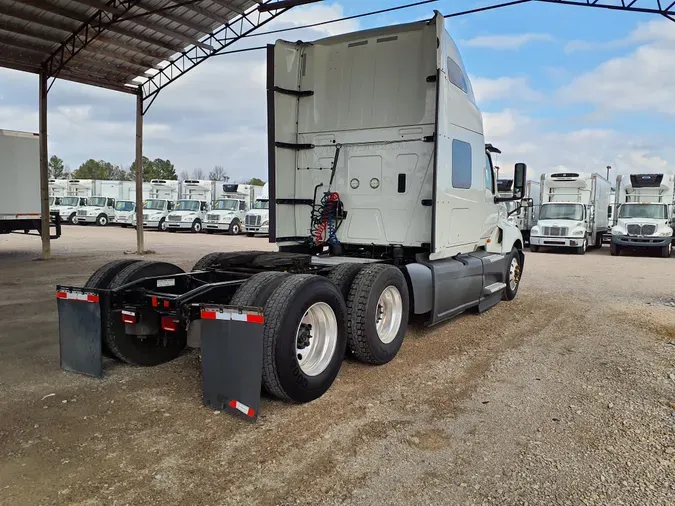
{"x": 194, "y": 205}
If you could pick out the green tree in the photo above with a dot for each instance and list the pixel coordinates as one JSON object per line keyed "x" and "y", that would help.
{"x": 155, "y": 169}
{"x": 56, "y": 167}
{"x": 100, "y": 169}
{"x": 256, "y": 181}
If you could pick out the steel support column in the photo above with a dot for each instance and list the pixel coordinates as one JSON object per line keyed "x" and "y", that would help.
{"x": 44, "y": 167}
{"x": 140, "y": 247}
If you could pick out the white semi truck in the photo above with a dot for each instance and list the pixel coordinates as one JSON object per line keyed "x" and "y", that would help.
{"x": 228, "y": 212}
{"x": 190, "y": 211}
{"x": 646, "y": 213}
{"x": 257, "y": 220}
{"x": 125, "y": 213}
{"x": 156, "y": 209}
{"x": 20, "y": 208}
{"x": 384, "y": 205}
{"x": 100, "y": 205}
{"x": 524, "y": 217}
{"x": 573, "y": 212}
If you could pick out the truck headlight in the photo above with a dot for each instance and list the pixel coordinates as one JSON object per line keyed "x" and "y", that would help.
{"x": 618, "y": 231}
{"x": 265, "y": 224}
{"x": 666, "y": 232}
{"x": 534, "y": 231}
{"x": 578, "y": 232}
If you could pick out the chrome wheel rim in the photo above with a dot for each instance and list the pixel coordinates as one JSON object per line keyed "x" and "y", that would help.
{"x": 514, "y": 274}
{"x": 235, "y": 229}
{"x": 103, "y": 221}
{"x": 198, "y": 227}
{"x": 162, "y": 226}
{"x": 388, "y": 314}
{"x": 316, "y": 339}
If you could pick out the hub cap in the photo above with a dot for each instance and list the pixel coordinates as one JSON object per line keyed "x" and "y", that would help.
{"x": 514, "y": 274}
{"x": 389, "y": 314}
{"x": 316, "y": 339}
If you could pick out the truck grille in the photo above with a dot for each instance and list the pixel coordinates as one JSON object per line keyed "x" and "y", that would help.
{"x": 253, "y": 221}
{"x": 633, "y": 229}
{"x": 648, "y": 229}
{"x": 554, "y": 231}
{"x": 173, "y": 217}
{"x": 212, "y": 217}
{"x": 82, "y": 212}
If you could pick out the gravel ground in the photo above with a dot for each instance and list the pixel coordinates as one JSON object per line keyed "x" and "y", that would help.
{"x": 564, "y": 396}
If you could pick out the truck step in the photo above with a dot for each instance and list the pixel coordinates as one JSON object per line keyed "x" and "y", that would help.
{"x": 493, "y": 288}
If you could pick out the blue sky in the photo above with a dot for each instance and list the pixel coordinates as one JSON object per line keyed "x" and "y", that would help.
{"x": 559, "y": 86}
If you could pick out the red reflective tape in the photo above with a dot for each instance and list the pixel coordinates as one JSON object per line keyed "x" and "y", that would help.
{"x": 80, "y": 296}
{"x": 208, "y": 315}
{"x": 154, "y": 302}
{"x": 169, "y": 324}
{"x": 242, "y": 407}
{"x": 92, "y": 297}
{"x": 61, "y": 295}
{"x": 255, "y": 318}
{"x": 166, "y": 303}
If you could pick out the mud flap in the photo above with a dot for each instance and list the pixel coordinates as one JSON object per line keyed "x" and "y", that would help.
{"x": 80, "y": 330}
{"x": 231, "y": 348}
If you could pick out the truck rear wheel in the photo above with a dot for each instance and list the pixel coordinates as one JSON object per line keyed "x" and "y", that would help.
{"x": 304, "y": 338}
{"x": 378, "y": 307}
{"x": 101, "y": 278}
{"x": 343, "y": 277}
{"x": 220, "y": 260}
{"x": 142, "y": 350}
{"x": 514, "y": 271}
{"x": 257, "y": 289}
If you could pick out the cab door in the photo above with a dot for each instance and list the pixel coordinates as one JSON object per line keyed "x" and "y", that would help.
{"x": 491, "y": 210}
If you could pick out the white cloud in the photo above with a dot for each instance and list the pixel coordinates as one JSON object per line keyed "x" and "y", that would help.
{"x": 649, "y": 32}
{"x": 506, "y": 42}
{"x": 509, "y": 88}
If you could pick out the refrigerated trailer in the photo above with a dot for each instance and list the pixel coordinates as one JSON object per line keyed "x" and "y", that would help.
{"x": 645, "y": 216}
{"x": 573, "y": 212}
{"x": 20, "y": 208}
{"x": 383, "y": 202}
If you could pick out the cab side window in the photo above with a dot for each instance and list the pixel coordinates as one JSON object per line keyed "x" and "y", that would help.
{"x": 242, "y": 205}
{"x": 489, "y": 175}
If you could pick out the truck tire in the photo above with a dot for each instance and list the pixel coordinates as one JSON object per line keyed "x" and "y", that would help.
{"x": 598, "y": 241}
{"x": 257, "y": 289}
{"x": 223, "y": 260}
{"x": 514, "y": 271}
{"x": 614, "y": 250}
{"x": 102, "y": 220}
{"x": 534, "y": 249}
{"x": 235, "y": 227}
{"x": 666, "y": 250}
{"x": 72, "y": 219}
{"x": 161, "y": 226}
{"x": 249, "y": 234}
{"x": 581, "y": 250}
{"x": 378, "y": 308}
{"x": 304, "y": 338}
{"x": 343, "y": 277}
{"x": 147, "y": 350}
{"x": 196, "y": 226}
{"x": 101, "y": 278}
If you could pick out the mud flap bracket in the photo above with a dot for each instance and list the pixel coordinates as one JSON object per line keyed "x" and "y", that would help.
{"x": 232, "y": 349}
{"x": 80, "y": 330}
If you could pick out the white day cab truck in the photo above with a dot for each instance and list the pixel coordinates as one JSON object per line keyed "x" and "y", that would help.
{"x": 229, "y": 211}
{"x": 190, "y": 211}
{"x": 394, "y": 212}
{"x": 257, "y": 220}
{"x": 100, "y": 205}
{"x": 525, "y": 218}
{"x": 646, "y": 214}
{"x": 573, "y": 212}
{"x": 156, "y": 209}
{"x": 20, "y": 208}
{"x": 125, "y": 213}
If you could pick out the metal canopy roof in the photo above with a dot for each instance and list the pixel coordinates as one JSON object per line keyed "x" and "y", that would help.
{"x": 111, "y": 43}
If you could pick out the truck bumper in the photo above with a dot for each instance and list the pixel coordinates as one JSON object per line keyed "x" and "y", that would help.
{"x": 86, "y": 219}
{"x": 209, "y": 225}
{"x": 641, "y": 242}
{"x": 257, "y": 230}
{"x": 556, "y": 242}
{"x": 178, "y": 225}
{"x": 151, "y": 224}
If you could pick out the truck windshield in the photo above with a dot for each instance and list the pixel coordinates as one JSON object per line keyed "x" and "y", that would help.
{"x": 187, "y": 205}
{"x": 262, "y": 204}
{"x": 96, "y": 201}
{"x": 654, "y": 211}
{"x": 157, "y": 205}
{"x": 562, "y": 212}
{"x": 226, "y": 205}
{"x": 124, "y": 205}
{"x": 70, "y": 201}
{"x": 54, "y": 201}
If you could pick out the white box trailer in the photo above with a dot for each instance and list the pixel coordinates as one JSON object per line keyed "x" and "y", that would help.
{"x": 573, "y": 213}
{"x": 58, "y": 187}
{"x": 384, "y": 204}
{"x": 645, "y": 216}
{"x": 20, "y": 207}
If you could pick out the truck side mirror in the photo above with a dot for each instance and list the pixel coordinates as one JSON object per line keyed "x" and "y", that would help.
{"x": 519, "y": 178}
